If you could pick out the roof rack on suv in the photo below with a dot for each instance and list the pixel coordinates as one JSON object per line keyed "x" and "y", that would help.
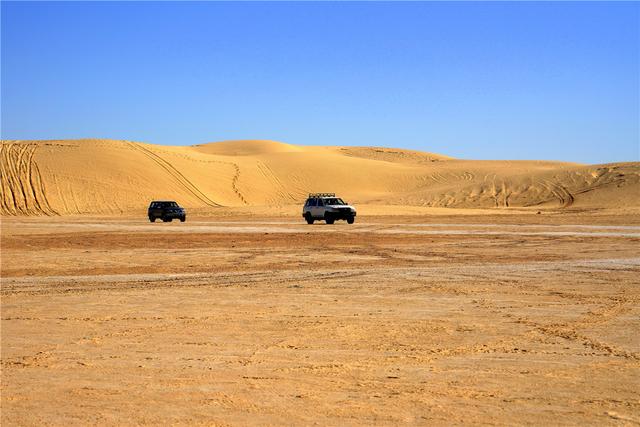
{"x": 316, "y": 195}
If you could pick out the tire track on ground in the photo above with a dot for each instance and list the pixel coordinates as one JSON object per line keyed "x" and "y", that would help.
{"x": 100, "y": 283}
{"x": 565, "y": 331}
{"x": 6, "y": 178}
{"x": 23, "y": 189}
{"x": 28, "y": 176}
{"x": 176, "y": 174}
{"x": 234, "y": 179}
{"x": 268, "y": 173}
{"x": 559, "y": 192}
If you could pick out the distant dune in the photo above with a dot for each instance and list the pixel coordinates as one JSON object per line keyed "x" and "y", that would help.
{"x": 107, "y": 176}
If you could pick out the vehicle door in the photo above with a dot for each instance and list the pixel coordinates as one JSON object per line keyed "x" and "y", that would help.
{"x": 154, "y": 209}
{"x": 317, "y": 210}
{"x": 308, "y": 206}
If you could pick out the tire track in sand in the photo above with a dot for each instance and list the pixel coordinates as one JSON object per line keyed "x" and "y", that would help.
{"x": 23, "y": 190}
{"x": 234, "y": 180}
{"x": 568, "y": 331}
{"x": 268, "y": 173}
{"x": 175, "y": 173}
{"x": 559, "y": 192}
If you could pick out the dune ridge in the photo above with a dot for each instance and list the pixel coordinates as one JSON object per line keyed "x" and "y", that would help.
{"x": 98, "y": 176}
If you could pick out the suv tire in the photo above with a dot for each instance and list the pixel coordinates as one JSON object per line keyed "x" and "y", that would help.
{"x": 329, "y": 218}
{"x": 183, "y": 219}
{"x": 351, "y": 220}
{"x": 152, "y": 218}
{"x": 308, "y": 218}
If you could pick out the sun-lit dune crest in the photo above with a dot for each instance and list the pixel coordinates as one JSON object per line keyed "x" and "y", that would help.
{"x": 247, "y": 147}
{"x": 398, "y": 155}
{"x": 108, "y": 176}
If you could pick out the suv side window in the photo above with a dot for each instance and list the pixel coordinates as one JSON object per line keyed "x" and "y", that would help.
{"x": 320, "y": 203}
{"x": 313, "y": 202}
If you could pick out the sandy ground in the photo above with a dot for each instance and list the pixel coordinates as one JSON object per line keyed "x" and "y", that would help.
{"x": 109, "y": 177}
{"x": 425, "y": 320}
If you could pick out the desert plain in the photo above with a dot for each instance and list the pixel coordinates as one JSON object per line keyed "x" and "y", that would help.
{"x": 467, "y": 292}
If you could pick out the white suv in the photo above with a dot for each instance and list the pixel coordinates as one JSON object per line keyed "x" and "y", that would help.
{"x": 327, "y": 207}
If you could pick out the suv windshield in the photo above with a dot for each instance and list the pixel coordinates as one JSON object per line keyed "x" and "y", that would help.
{"x": 333, "y": 201}
{"x": 162, "y": 205}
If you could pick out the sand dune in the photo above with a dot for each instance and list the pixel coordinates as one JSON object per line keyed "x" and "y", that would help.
{"x": 108, "y": 176}
{"x": 247, "y": 148}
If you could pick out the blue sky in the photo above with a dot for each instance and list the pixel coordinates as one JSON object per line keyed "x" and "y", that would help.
{"x": 504, "y": 80}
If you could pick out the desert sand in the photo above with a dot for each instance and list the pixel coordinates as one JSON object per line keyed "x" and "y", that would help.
{"x": 467, "y": 293}
{"x": 115, "y": 177}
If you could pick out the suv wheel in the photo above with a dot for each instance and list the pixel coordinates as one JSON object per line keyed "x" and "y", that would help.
{"x": 152, "y": 218}
{"x": 350, "y": 220}
{"x": 329, "y": 219}
{"x": 308, "y": 218}
{"x": 183, "y": 218}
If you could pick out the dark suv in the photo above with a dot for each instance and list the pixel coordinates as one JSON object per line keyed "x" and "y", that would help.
{"x": 166, "y": 211}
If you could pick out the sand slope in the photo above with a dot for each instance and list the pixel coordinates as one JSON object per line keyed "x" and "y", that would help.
{"x": 108, "y": 176}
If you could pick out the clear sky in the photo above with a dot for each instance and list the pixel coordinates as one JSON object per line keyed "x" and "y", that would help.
{"x": 502, "y": 80}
